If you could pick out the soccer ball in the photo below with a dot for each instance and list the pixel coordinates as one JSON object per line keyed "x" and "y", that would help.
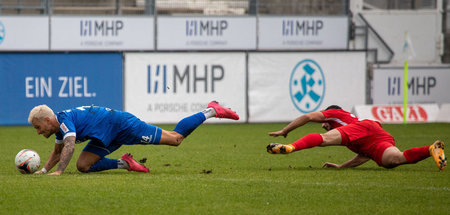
{"x": 27, "y": 161}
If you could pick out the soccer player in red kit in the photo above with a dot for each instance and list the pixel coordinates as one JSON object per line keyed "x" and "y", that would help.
{"x": 364, "y": 137}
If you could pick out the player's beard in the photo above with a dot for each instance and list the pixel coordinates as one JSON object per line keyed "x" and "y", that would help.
{"x": 47, "y": 134}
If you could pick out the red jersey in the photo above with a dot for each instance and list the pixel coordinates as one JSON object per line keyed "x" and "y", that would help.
{"x": 365, "y": 137}
{"x": 338, "y": 117}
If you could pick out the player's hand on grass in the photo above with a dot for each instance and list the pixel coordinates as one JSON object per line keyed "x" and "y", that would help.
{"x": 56, "y": 173}
{"x": 278, "y": 133}
{"x": 331, "y": 165}
{"x": 39, "y": 172}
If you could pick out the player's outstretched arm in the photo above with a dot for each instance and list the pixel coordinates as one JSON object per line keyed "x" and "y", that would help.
{"x": 298, "y": 122}
{"x": 354, "y": 162}
{"x": 52, "y": 160}
{"x": 66, "y": 155}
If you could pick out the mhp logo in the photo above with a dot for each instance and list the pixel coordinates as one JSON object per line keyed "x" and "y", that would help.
{"x": 2, "y": 32}
{"x": 205, "y": 27}
{"x": 190, "y": 78}
{"x": 307, "y": 86}
{"x": 155, "y": 78}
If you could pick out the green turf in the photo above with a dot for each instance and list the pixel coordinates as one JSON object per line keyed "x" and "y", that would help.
{"x": 224, "y": 169}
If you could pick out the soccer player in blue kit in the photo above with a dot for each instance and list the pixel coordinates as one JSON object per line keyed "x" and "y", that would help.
{"x": 107, "y": 131}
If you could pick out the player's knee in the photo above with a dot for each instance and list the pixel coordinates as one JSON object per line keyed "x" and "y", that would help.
{"x": 389, "y": 166}
{"x": 171, "y": 138}
{"x": 83, "y": 168}
{"x": 177, "y": 141}
{"x": 393, "y": 161}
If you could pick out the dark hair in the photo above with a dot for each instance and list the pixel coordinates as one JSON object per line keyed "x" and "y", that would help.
{"x": 333, "y": 107}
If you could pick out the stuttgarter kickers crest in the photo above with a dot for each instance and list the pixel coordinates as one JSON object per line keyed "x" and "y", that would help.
{"x": 307, "y": 86}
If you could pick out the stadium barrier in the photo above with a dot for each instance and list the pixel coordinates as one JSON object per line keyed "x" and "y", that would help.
{"x": 416, "y": 113}
{"x": 444, "y": 113}
{"x": 187, "y": 33}
{"x": 162, "y": 87}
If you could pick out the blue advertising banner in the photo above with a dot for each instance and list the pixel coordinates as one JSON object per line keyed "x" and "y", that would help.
{"x": 60, "y": 80}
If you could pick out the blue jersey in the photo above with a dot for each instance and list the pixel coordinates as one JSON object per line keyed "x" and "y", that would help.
{"x": 105, "y": 125}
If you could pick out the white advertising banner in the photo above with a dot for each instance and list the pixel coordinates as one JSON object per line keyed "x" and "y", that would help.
{"x": 102, "y": 33}
{"x": 206, "y": 33}
{"x": 394, "y": 113}
{"x": 283, "y": 86}
{"x": 303, "y": 32}
{"x": 24, "y": 33}
{"x": 425, "y": 85}
{"x": 444, "y": 113}
{"x": 166, "y": 87}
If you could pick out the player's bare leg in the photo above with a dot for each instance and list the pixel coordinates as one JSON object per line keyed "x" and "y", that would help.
{"x": 86, "y": 160}
{"x": 393, "y": 157}
{"x": 171, "y": 138}
{"x": 331, "y": 138}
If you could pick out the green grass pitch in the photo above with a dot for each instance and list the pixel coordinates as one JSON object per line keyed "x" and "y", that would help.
{"x": 225, "y": 169}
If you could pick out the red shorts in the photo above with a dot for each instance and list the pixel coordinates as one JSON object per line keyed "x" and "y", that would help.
{"x": 366, "y": 138}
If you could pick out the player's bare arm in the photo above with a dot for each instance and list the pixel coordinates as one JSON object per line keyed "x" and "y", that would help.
{"x": 53, "y": 159}
{"x": 298, "y": 122}
{"x": 66, "y": 155}
{"x": 354, "y": 162}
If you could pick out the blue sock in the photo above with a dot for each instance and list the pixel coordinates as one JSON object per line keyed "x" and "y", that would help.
{"x": 104, "y": 164}
{"x": 189, "y": 124}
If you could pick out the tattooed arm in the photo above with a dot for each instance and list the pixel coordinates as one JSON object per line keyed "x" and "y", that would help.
{"x": 53, "y": 159}
{"x": 66, "y": 155}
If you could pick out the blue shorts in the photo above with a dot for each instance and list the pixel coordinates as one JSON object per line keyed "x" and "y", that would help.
{"x": 131, "y": 131}
{"x": 97, "y": 147}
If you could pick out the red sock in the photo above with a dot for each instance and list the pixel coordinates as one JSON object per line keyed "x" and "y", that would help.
{"x": 308, "y": 141}
{"x": 415, "y": 155}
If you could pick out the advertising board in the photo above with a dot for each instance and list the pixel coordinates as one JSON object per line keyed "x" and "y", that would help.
{"x": 61, "y": 81}
{"x": 425, "y": 85}
{"x": 101, "y": 33}
{"x": 283, "y": 86}
{"x": 419, "y": 113}
{"x": 291, "y": 32}
{"x": 24, "y": 33}
{"x": 206, "y": 33}
{"x": 166, "y": 87}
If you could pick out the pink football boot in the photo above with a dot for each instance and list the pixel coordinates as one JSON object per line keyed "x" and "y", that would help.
{"x": 223, "y": 112}
{"x": 134, "y": 166}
